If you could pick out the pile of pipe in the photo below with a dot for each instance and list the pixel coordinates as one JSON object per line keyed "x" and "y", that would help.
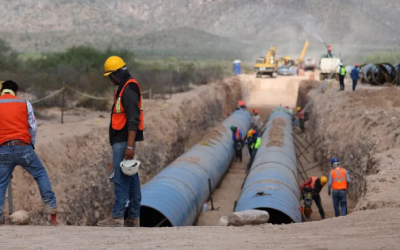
{"x": 271, "y": 184}
{"x": 379, "y": 74}
{"x": 175, "y": 196}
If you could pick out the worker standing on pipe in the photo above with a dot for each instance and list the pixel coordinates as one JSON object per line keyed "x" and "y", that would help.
{"x": 315, "y": 185}
{"x": 126, "y": 128}
{"x": 338, "y": 180}
{"x": 355, "y": 75}
{"x": 342, "y": 75}
{"x": 17, "y": 143}
{"x": 254, "y": 150}
{"x": 238, "y": 141}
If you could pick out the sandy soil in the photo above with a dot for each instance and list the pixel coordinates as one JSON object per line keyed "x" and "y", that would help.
{"x": 362, "y": 230}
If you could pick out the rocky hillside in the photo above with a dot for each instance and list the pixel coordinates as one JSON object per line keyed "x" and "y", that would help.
{"x": 51, "y": 25}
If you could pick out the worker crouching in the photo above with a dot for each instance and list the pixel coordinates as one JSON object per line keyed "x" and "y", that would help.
{"x": 315, "y": 185}
{"x": 17, "y": 139}
{"x": 126, "y": 128}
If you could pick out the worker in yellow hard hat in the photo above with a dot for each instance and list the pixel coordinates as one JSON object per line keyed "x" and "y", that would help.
{"x": 315, "y": 184}
{"x": 126, "y": 128}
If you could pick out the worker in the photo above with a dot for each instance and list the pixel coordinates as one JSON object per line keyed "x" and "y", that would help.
{"x": 342, "y": 75}
{"x": 17, "y": 143}
{"x": 300, "y": 115}
{"x": 241, "y": 105}
{"x": 315, "y": 185}
{"x": 251, "y": 138}
{"x": 254, "y": 149}
{"x": 255, "y": 120}
{"x": 238, "y": 140}
{"x": 338, "y": 181}
{"x": 355, "y": 75}
{"x": 126, "y": 129}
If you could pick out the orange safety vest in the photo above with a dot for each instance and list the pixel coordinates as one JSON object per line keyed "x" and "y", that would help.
{"x": 301, "y": 114}
{"x": 118, "y": 118}
{"x": 14, "y": 123}
{"x": 339, "y": 178}
{"x": 313, "y": 179}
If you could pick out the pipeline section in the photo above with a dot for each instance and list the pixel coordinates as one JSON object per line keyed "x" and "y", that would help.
{"x": 175, "y": 196}
{"x": 271, "y": 184}
{"x": 379, "y": 74}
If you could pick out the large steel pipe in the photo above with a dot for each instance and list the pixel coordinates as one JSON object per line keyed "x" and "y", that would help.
{"x": 175, "y": 196}
{"x": 271, "y": 184}
{"x": 378, "y": 74}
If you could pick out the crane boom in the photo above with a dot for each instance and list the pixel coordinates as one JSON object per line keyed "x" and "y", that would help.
{"x": 303, "y": 53}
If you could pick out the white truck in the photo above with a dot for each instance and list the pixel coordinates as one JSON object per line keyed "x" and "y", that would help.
{"x": 327, "y": 66}
{"x": 309, "y": 64}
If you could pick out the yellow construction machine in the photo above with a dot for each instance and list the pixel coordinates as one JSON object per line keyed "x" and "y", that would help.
{"x": 303, "y": 53}
{"x": 267, "y": 65}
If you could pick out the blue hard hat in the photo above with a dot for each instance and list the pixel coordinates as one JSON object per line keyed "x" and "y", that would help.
{"x": 334, "y": 160}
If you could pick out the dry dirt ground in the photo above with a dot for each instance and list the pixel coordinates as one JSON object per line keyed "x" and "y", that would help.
{"x": 360, "y": 128}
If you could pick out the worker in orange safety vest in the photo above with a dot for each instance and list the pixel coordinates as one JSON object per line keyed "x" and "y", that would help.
{"x": 314, "y": 185}
{"x": 17, "y": 140}
{"x": 126, "y": 128}
{"x": 338, "y": 182}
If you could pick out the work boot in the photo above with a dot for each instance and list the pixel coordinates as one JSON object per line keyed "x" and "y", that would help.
{"x": 132, "y": 222}
{"x": 111, "y": 222}
{"x": 53, "y": 210}
{"x": 2, "y": 220}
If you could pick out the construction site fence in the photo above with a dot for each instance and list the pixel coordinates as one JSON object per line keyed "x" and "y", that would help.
{"x": 146, "y": 94}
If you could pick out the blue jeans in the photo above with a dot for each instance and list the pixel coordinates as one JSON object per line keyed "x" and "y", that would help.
{"x": 354, "y": 84}
{"x": 24, "y": 156}
{"x": 125, "y": 187}
{"x": 339, "y": 197}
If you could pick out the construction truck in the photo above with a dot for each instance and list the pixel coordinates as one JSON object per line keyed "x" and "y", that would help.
{"x": 267, "y": 65}
{"x": 327, "y": 66}
{"x": 286, "y": 60}
{"x": 309, "y": 64}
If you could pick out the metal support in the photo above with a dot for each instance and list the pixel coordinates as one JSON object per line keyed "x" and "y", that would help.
{"x": 212, "y": 203}
{"x": 308, "y": 147}
{"x": 319, "y": 164}
{"x": 299, "y": 142}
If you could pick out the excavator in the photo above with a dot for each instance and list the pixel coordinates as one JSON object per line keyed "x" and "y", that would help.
{"x": 267, "y": 65}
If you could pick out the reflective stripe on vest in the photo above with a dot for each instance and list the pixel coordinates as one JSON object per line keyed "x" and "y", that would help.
{"x": 339, "y": 180}
{"x": 118, "y": 119}
{"x": 14, "y": 123}
{"x": 343, "y": 71}
{"x": 237, "y": 134}
{"x": 257, "y": 144}
{"x": 313, "y": 179}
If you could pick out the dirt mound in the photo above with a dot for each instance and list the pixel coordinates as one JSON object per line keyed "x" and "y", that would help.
{"x": 362, "y": 129}
{"x": 77, "y": 155}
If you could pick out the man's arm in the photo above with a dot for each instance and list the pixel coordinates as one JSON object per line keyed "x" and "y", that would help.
{"x": 130, "y": 101}
{"x": 347, "y": 176}
{"x": 307, "y": 182}
{"x": 32, "y": 122}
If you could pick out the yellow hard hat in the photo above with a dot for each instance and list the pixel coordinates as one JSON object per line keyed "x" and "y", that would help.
{"x": 298, "y": 108}
{"x": 324, "y": 180}
{"x": 112, "y": 64}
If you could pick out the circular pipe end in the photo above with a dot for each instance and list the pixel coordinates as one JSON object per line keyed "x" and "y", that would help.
{"x": 150, "y": 217}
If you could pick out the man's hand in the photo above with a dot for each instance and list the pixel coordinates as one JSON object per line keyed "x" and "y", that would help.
{"x": 129, "y": 154}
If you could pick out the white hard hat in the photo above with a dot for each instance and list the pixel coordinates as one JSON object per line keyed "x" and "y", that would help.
{"x": 130, "y": 167}
{"x": 341, "y": 64}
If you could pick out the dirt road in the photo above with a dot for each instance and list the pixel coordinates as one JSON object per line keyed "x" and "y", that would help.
{"x": 362, "y": 230}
